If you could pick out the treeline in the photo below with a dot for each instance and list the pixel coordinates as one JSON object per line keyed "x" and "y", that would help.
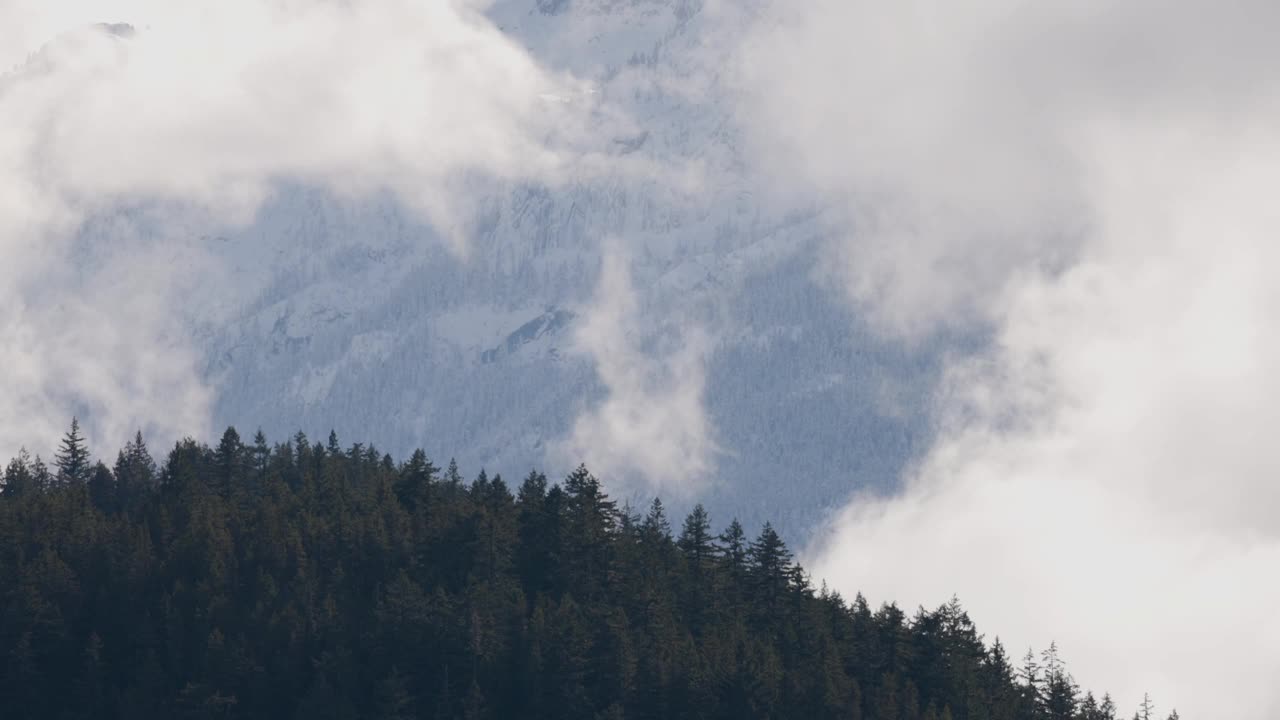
{"x": 307, "y": 580}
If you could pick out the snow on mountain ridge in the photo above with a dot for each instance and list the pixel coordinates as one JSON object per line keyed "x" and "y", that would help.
{"x": 354, "y": 314}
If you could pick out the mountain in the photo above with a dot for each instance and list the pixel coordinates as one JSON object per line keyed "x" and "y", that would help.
{"x": 355, "y": 315}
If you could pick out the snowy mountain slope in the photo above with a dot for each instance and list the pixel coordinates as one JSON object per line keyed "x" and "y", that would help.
{"x": 355, "y": 315}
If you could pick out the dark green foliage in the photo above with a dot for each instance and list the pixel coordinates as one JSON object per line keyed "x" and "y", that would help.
{"x": 311, "y": 581}
{"x": 19, "y": 478}
{"x": 72, "y": 459}
{"x": 135, "y": 474}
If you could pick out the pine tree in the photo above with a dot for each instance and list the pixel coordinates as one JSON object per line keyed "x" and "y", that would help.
{"x": 590, "y": 527}
{"x": 1060, "y": 696}
{"x": 72, "y": 458}
{"x": 770, "y": 569}
{"x": 135, "y": 474}
{"x": 41, "y": 477}
{"x": 656, "y": 527}
{"x": 102, "y": 488}
{"x": 538, "y": 539}
{"x": 733, "y": 547}
{"x": 1089, "y": 709}
{"x": 1147, "y": 710}
{"x": 452, "y": 478}
{"x": 232, "y": 463}
{"x": 261, "y": 452}
{"x": 417, "y": 477}
{"x": 1107, "y": 711}
{"x": 696, "y": 540}
{"x": 18, "y": 480}
{"x": 1058, "y": 690}
{"x": 696, "y": 545}
{"x": 1031, "y": 682}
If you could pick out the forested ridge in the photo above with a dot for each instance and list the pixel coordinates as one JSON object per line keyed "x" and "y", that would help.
{"x": 309, "y": 580}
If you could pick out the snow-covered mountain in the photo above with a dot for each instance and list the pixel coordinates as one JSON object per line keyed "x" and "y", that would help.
{"x": 355, "y": 315}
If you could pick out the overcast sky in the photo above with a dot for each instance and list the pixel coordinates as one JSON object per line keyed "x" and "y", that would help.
{"x": 205, "y": 105}
{"x": 1092, "y": 183}
{"x": 1095, "y": 182}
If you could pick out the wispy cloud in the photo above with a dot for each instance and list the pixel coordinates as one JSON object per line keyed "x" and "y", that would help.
{"x": 1092, "y": 182}
{"x": 651, "y": 432}
{"x": 203, "y": 106}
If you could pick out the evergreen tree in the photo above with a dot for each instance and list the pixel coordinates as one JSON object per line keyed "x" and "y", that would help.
{"x": 1107, "y": 711}
{"x": 733, "y": 549}
{"x": 260, "y": 452}
{"x": 102, "y": 488}
{"x": 770, "y": 569}
{"x": 1058, "y": 690}
{"x": 232, "y": 462}
{"x": 1031, "y": 679}
{"x": 72, "y": 458}
{"x": 18, "y": 479}
{"x": 591, "y": 520}
{"x": 452, "y": 477}
{"x": 1089, "y": 709}
{"x": 656, "y": 527}
{"x": 538, "y": 535}
{"x": 417, "y": 477}
{"x": 350, "y": 587}
{"x": 135, "y": 474}
{"x": 1147, "y": 710}
{"x": 696, "y": 541}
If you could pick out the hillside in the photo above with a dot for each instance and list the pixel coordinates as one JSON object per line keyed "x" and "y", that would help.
{"x": 311, "y": 580}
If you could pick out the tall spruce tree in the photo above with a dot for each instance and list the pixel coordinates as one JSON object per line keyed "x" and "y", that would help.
{"x": 72, "y": 458}
{"x": 18, "y": 479}
{"x": 135, "y": 473}
{"x": 1146, "y": 710}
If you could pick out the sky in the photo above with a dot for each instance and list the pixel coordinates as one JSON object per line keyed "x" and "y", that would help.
{"x": 1093, "y": 184}
{"x": 1088, "y": 184}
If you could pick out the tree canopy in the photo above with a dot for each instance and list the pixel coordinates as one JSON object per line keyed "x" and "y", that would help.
{"x": 309, "y": 580}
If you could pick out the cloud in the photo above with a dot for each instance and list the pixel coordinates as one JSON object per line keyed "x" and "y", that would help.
{"x": 651, "y": 432}
{"x": 199, "y": 109}
{"x": 1092, "y": 184}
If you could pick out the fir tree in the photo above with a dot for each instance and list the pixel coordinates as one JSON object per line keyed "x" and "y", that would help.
{"x": 72, "y": 458}
{"x": 135, "y": 473}
{"x": 18, "y": 479}
{"x": 1107, "y": 710}
{"x": 770, "y": 569}
{"x": 696, "y": 540}
{"x": 1147, "y": 710}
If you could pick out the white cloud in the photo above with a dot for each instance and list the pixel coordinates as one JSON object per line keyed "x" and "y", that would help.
{"x": 651, "y": 431}
{"x": 1094, "y": 182}
{"x": 204, "y": 107}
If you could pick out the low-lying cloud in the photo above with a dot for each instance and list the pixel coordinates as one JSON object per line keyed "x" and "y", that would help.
{"x": 200, "y": 108}
{"x": 1093, "y": 184}
{"x": 651, "y": 432}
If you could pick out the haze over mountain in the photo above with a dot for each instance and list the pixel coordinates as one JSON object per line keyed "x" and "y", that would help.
{"x": 971, "y": 296}
{"x": 710, "y": 355}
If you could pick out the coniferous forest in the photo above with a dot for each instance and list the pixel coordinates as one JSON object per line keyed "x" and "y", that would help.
{"x": 310, "y": 580}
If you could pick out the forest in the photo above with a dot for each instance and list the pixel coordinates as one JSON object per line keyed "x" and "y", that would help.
{"x": 307, "y": 580}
